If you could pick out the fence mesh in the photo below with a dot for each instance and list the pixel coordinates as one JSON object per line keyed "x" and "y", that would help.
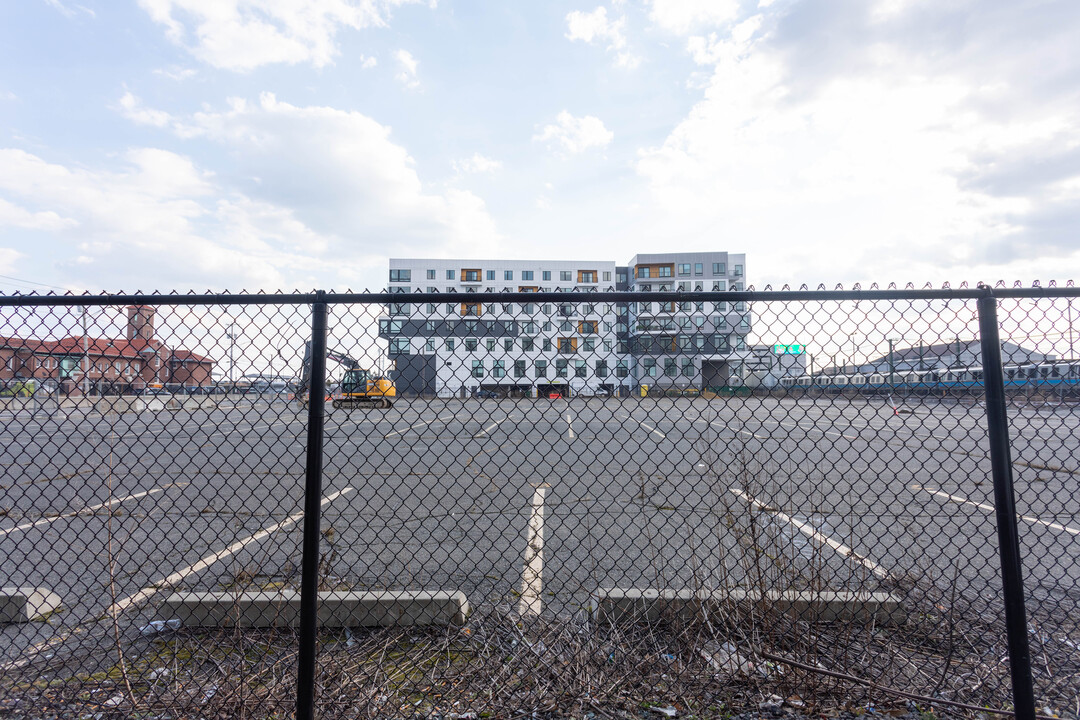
{"x": 550, "y": 504}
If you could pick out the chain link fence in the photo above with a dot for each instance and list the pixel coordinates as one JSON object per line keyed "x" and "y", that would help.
{"x": 539, "y": 504}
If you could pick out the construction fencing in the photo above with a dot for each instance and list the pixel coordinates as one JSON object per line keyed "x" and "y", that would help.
{"x": 612, "y": 503}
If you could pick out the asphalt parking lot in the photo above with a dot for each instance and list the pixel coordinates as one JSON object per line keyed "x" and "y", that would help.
{"x": 532, "y": 504}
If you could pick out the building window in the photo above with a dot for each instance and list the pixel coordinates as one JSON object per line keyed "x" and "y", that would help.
{"x": 601, "y": 368}
{"x": 607, "y": 345}
{"x": 721, "y": 344}
{"x": 684, "y": 268}
{"x": 588, "y": 344}
{"x": 508, "y": 344}
{"x": 399, "y": 308}
{"x": 580, "y": 368}
{"x": 566, "y": 326}
{"x": 450, "y": 344}
{"x": 744, "y": 323}
{"x": 471, "y": 326}
{"x": 547, "y": 326}
{"x": 490, "y": 344}
{"x": 740, "y": 342}
{"x": 684, "y": 342}
{"x": 400, "y": 275}
{"x": 665, "y": 271}
{"x": 547, "y": 345}
{"x": 586, "y": 276}
{"x": 719, "y": 268}
{"x": 699, "y": 342}
{"x": 568, "y": 345}
{"x": 587, "y": 327}
{"x": 688, "y": 367}
{"x": 565, "y": 276}
{"x": 498, "y": 370}
{"x": 429, "y": 327}
{"x": 528, "y": 326}
{"x": 620, "y": 277}
{"x": 471, "y": 309}
{"x": 684, "y": 286}
{"x": 526, "y": 274}
{"x": 527, "y": 344}
{"x": 607, "y": 276}
{"x": 650, "y": 367}
{"x": 528, "y": 308}
{"x": 399, "y": 346}
{"x": 391, "y": 327}
{"x": 449, "y": 274}
{"x": 449, "y": 308}
{"x": 670, "y": 368}
{"x": 643, "y": 272}
{"x": 738, "y": 271}
{"x": 519, "y": 368}
{"x": 720, "y": 306}
{"x": 430, "y": 274}
{"x": 470, "y": 275}
{"x": 478, "y": 368}
{"x": 699, "y": 269}
{"x": 740, "y": 307}
{"x": 429, "y": 346}
{"x": 621, "y": 369}
{"x": 471, "y": 344}
{"x": 546, "y": 275}
{"x": 561, "y": 365}
{"x": 541, "y": 369}
{"x": 508, "y": 274}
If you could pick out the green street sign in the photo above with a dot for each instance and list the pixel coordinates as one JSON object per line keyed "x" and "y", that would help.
{"x": 788, "y": 349}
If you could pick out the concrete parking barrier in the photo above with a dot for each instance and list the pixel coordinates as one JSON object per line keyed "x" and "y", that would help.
{"x": 23, "y": 604}
{"x": 336, "y": 608}
{"x": 612, "y": 605}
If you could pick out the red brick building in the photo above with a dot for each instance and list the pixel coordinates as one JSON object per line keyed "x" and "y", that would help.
{"x": 104, "y": 365}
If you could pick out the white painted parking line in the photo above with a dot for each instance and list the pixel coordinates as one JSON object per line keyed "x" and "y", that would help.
{"x": 212, "y": 558}
{"x": 167, "y": 583}
{"x": 990, "y": 509}
{"x": 645, "y": 425}
{"x": 532, "y": 573}
{"x": 492, "y": 426}
{"x": 812, "y": 533}
{"x": 569, "y": 427}
{"x": 87, "y": 510}
{"x": 419, "y": 424}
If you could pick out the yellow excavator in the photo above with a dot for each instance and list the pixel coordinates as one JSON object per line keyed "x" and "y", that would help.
{"x": 359, "y": 388}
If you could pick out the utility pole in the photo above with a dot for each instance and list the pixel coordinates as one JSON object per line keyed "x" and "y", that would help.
{"x": 86, "y": 354}
{"x": 232, "y": 341}
{"x": 892, "y": 363}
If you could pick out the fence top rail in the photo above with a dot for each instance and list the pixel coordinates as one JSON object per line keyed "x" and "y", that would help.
{"x": 298, "y": 298}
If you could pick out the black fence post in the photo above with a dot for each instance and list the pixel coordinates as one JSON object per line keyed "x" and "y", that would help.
{"x": 997, "y": 425}
{"x": 309, "y": 579}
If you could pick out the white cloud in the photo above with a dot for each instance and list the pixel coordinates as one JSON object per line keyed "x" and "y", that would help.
{"x": 368, "y": 61}
{"x": 8, "y": 95}
{"x": 8, "y": 258}
{"x": 15, "y": 216}
{"x": 588, "y": 27}
{"x": 477, "y": 164}
{"x": 133, "y": 109}
{"x": 683, "y": 16}
{"x": 343, "y": 177}
{"x": 850, "y": 170}
{"x": 176, "y": 73}
{"x": 408, "y": 66}
{"x": 70, "y": 11}
{"x": 575, "y": 135}
{"x": 245, "y": 34}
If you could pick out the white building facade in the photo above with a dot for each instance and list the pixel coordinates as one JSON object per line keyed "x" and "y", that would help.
{"x": 481, "y": 343}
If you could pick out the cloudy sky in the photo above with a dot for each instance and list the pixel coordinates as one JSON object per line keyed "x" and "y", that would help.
{"x": 213, "y": 144}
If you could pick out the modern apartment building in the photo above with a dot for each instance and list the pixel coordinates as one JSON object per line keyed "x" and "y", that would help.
{"x": 484, "y": 343}
{"x": 481, "y": 343}
{"x": 687, "y": 344}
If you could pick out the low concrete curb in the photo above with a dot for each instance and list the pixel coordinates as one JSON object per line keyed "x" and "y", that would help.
{"x": 336, "y": 609}
{"x": 613, "y": 605}
{"x": 23, "y": 604}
